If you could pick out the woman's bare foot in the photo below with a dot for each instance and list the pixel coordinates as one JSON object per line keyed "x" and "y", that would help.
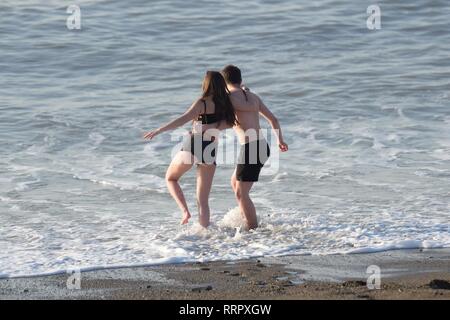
{"x": 186, "y": 217}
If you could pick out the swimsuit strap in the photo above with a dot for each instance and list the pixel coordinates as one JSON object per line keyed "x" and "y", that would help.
{"x": 204, "y": 102}
{"x": 245, "y": 94}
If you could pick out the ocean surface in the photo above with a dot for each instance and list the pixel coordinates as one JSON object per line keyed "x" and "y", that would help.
{"x": 366, "y": 114}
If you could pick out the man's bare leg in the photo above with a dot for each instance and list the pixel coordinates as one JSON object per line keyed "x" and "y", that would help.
{"x": 234, "y": 186}
{"x": 246, "y": 204}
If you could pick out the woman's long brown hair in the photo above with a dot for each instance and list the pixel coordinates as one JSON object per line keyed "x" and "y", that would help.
{"x": 214, "y": 86}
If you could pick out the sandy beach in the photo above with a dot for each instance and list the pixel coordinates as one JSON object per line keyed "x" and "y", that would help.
{"x": 358, "y": 92}
{"x": 405, "y": 274}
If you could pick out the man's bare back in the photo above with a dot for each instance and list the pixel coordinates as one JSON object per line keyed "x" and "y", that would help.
{"x": 247, "y": 107}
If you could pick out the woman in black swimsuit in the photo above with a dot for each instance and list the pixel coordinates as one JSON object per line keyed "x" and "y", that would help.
{"x": 213, "y": 111}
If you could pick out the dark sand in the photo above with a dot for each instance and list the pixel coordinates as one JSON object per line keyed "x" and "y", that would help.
{"x": 405, "y": 274}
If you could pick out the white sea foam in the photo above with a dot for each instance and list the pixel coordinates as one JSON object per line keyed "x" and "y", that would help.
{"x": 367, "y": 170}
{"x": 404, "y": 244}
{"x": 97, "y": 138}
{"x": 282, "y": 234}
{"x": 232, "y": 219}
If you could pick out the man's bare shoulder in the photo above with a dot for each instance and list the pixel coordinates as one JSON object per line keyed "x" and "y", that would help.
{"x": 235, "y": 94}
{"x": 253, "y": 95}
{"x": 249, "y": 98}
{"x": 237, "y": 97}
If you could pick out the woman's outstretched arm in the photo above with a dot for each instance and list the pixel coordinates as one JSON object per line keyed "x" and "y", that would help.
{"x": 191, "y": 114}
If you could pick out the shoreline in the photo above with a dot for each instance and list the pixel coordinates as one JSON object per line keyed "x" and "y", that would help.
{"x": 174, "y": 261}
{"x": 404, "y": 274}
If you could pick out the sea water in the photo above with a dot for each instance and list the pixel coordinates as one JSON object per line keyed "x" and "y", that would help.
{"x": 365, "y": 113}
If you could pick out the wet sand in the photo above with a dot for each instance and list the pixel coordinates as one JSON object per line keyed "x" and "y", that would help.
{"x": 405, "y": 274}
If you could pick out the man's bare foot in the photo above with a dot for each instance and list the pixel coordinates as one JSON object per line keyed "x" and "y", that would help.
{"x": 186, "y": 217}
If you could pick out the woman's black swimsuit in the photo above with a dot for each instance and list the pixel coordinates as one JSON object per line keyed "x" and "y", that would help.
{"x": 203, "y": 150}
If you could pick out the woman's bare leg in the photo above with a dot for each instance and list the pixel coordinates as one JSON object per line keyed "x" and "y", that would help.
{"x": 233, "y": 181}
{"x": 181, "y": 163}
{"x": 205, "y": 175}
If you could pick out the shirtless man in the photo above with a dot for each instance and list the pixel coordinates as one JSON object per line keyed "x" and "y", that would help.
{"x": 254, "y": 148}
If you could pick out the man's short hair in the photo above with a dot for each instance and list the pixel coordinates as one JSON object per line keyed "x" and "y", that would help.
{"x": 232, "y": 74}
